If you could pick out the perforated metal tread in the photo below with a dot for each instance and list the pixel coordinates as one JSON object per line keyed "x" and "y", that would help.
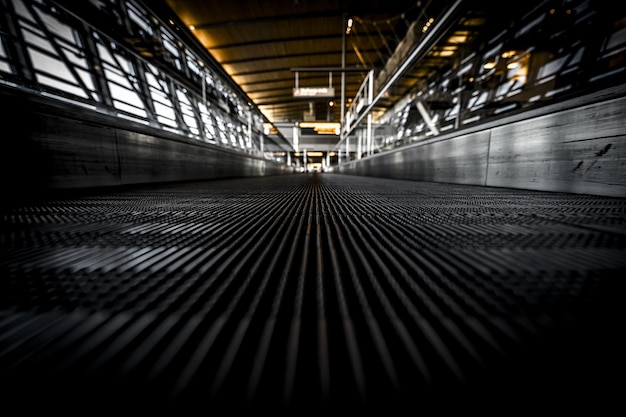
{"x": 314, "y": 292}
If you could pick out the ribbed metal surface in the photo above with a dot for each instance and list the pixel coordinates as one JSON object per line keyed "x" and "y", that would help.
{"x": 312, "y": 291}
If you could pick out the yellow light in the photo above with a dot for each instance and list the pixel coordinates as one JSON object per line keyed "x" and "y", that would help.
{"x": 323, "y": 128}
{"x": 445, "y": 51}
{"x": 427, "y": 25}
{"x": 489, "y": 65}
{"x": 315, "y": 153}
{"x": 457, "y": 39}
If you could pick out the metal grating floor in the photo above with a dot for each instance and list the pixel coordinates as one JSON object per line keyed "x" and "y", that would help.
{"x": 313, "y": 292}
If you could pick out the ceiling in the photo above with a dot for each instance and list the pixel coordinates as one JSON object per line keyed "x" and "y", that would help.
{"x": 270, "y": 47}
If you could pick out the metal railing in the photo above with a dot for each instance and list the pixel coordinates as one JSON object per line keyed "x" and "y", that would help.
{"x": 547, "y": 54}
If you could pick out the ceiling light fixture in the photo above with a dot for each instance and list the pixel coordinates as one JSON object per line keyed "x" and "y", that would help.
{"x": 349, "y": 27}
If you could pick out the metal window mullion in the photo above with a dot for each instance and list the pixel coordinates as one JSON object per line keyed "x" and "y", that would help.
{"x": 139, "y": 65}
{"x": 138, "y": 84}
{"x": 180, "y": 121}
{"x": 19, "y": 58}
{"x": 96, "y": 66}
{"x": 133, "y": 83}
{"x": 474, "y": 71}
{"x": 145, "y": 92}
{"x": 184, "y": 53}
{"x": 216, "y": 128}
{"x": 57, "y": 48}
{"x": 122, "y": 9}
{"x": 193, "y": 103}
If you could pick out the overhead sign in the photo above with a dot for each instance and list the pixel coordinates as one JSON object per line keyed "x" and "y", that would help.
{"x": 314, "y": 92}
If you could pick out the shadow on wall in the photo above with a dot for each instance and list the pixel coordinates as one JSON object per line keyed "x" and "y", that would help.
{"x": 25, "y": 164}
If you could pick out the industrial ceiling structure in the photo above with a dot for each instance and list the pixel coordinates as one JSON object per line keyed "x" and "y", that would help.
{"x": 275, "y": 49}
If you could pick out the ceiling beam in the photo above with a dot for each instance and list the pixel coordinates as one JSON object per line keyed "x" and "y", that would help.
{"x": 271, "y": 18}
{"x": 271, "y": 41}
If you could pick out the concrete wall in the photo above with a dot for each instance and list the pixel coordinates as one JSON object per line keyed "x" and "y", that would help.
{"x": 577, "y": 146}
{"x": 51, "y": 146}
